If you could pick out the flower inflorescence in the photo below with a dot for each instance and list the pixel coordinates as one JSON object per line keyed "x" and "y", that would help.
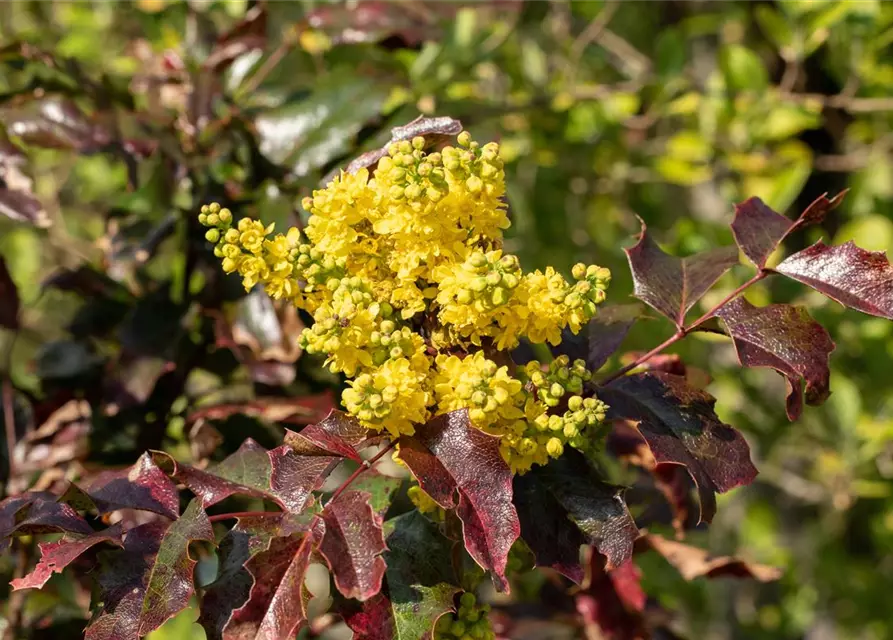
{"x": 414, "y": 299}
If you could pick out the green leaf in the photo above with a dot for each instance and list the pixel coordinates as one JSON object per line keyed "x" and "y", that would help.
{"x": 743, "y": 69}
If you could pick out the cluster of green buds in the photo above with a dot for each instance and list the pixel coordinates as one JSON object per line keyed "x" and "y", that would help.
{"x": 561, "y": 378}
{"x": 316, "y": 269}
{"x": 472, "y": 165}
{"x": 470, "y": 622}
{"x": 412, "y": 174}
{"x": 587, "y": 293}
{"x": 491, "y": 279}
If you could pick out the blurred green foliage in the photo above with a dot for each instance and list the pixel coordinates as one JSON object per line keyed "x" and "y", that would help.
{"x": 671, "y": 111}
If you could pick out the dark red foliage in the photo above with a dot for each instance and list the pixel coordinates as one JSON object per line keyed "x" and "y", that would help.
{"x": 854, "y": 277}
{"x": 352, "y": 545}
{"x": 294, "y": 477}
{"x": 680, "y": 426}
{"x": 673, "y": 285}
{"x": 607, "y": 331}
{"x": 461, "y": 467}
{"x": 144, "y": 486}
{"x": 33, "y": 513}
{"x": 786, "y": 339}
{"x": 692, "y": 562}
{"x": 338, "y": 434}
{"x": 150, "y": 580}
{"x": 55, "y": 556}
{"x": 759, "y": 230}
{"x": 612, "y": 602}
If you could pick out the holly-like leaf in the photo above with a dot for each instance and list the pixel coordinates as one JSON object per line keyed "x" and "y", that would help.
{"x": 673, "y": 285}
{"x": 150, "y": 580}
{"x": 607, "y": 330}
{"x": 9, "y": 299}
{"x": 38, "y": 512}
{"x": 352, "y": 545}
{"x": 338, "y": 434}
{"x": 759, "y": 230}
{"x": 55, "y": 556}
{"x": 225, "y": 608}
{"x": 573, "y": 494}
{"x": 143, "y": 486}
{"x": 433, "y": 130}
{"x": 419, "y": 584}
{"x": 294, "y": 478}
{"x": 611, "y": 602}
{"x": 854, "y": 277}
{"x": 692, "y": 562}
{"x": 460, "y": 467}
{"x": 681, "y": 427}
{"x": 786, "y": 339}
{"x": 381, "y": 489}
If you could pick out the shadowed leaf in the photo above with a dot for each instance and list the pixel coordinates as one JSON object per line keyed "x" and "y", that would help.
{"x": 22, "y": 206}
{"x": 338, "y": 434}
{"x": 55, "y": 556}
{"x": 786, "y": 339}
{"x": 588, "y": 502}
{"x": 294, "y": 477}
{"x": 54, "y": 123}
{"x": 150, "y": 580}
{"x": 854, "y": 277}
{"x": 673, "y": 285}
{"x": 304, "y": 410}
{"x": 352, "y": 545}
{"x": 381, "y": 489}
{"x": 692, "y": 562}
{"x": 38, "y": 512}
{"x": 419, "y": 584}
{"x": 237, "y": 573}
{"x": 611, "y": 602}
{"x": 9, "y": 299}
{"x": 680, "y": 426}
{"x": 607, "y": 330}
{"x": 144, "y": 486}
{"x": 759, "y": 230}
{"x": 434, "y": 130}
{"x": 460, "y": 467}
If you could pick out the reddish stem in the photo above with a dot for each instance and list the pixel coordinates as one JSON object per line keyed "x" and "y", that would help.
{"x": 684, "y": 331}
{"x": 244, "y": 514}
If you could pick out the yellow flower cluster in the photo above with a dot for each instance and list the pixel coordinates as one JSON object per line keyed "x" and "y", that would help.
{"x": 470, "y": 622}
{"x": 415, "y": 301}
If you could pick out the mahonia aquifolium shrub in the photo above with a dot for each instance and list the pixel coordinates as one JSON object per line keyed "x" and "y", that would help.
{"x": 414, "y": 300}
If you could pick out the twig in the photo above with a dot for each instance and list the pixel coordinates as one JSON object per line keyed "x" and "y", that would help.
{"x": 681, "y": 332}
{"x": 267, "y": 67}
{"x": 841, "y": 101}
{"x": 589, "y": 34}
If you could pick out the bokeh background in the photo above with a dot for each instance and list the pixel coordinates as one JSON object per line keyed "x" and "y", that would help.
{"x": 119, "y": 119}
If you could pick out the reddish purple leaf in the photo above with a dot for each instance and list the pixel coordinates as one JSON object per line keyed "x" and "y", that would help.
{"x": 38, "y": 512}
{"x": 786, "y": 339}
{"x": 338, "y": 434}
{"x": 352, "y": 545}
{"x": 854, "y": 277}
{"x": 9, "y": 299}
{"x": 143, "y": 486}
{"x": 294, "y": 478}
{"x": 461, "y": 467}
{"x": 595, "y": 507}
{"x": 692, "y": 562}
{"x": 225, "y": 608}
{"x": 759, "y": 230}
{"x": 434, "y": 130}
{"x": 55, "y": 556}
{"x": 681, "y": 427}
{"x": 150, "y": 580}
{"x": 607, "y": 331}
{"x": 23, "y": 206}
{"x": 673, "y": 285}
{"x": 612, "y": 602}
{"x": 419, "y": 584}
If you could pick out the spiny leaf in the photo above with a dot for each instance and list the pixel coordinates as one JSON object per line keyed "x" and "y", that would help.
{"x": 338, "y": 434}
{"x": 759, "y": 230}
{"x": 419, "y": 584}
{"x": 854, "y": 277}
{"x": 143, "y": 486}
{"x": 692, "y": 562}
{"x": 150, "y": 580}
{"x": 680, "y": 426}
{"x": 9, "y": 299}
{"x": 294, "y": 477}
{"x": 786, "y": 339}
{"x": 460, "y": 467}
{"x": 673, "y": 285}
{"x": 38, "y": 512}
{"x": 588, "y": 502}
{"x": 236, "y": 577}
{"x": 352, "y": 545}
{"x": 55, "y": 556}
{"x": 607, "y": 330}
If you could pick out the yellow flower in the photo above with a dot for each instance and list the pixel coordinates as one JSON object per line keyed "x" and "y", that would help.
{"x": 479, "y": 384}
{"x": 391, "y": 397}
